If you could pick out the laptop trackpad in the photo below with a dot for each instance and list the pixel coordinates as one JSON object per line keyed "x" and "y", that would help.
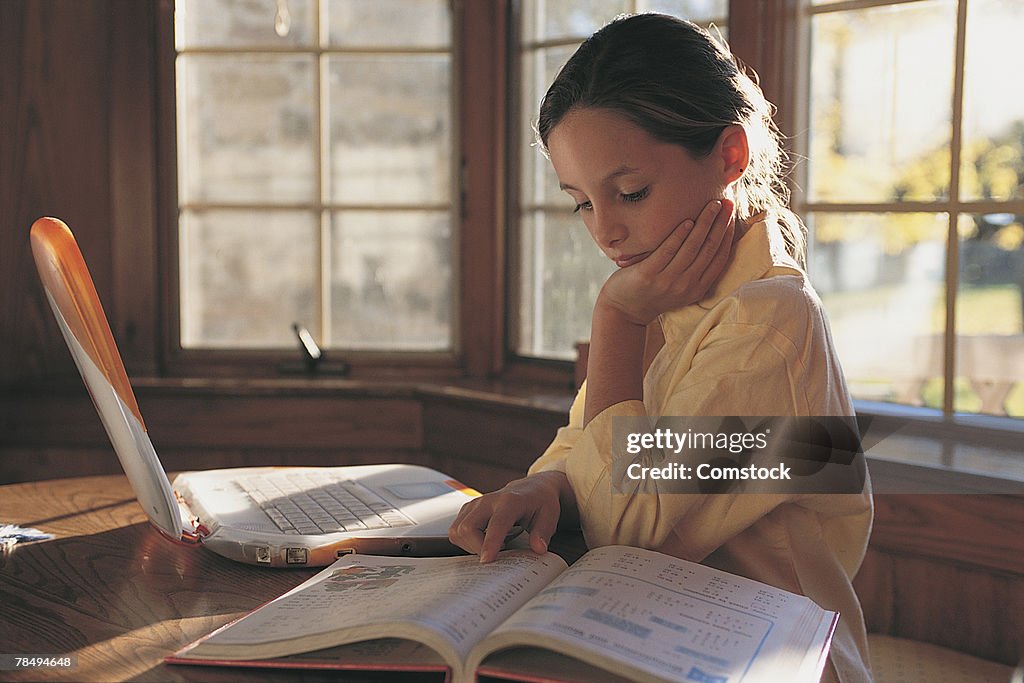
{"x": 418, "y": 490}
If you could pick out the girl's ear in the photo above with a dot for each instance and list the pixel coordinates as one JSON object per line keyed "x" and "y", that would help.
{"x": 733, "y": 150}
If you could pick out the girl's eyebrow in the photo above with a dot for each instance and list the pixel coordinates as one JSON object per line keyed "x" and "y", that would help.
{"x": 620, "y": 171}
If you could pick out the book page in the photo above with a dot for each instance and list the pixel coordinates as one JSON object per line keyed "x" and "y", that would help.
{"x": 456, "y": 599}
{"x": 671, "y": 619}
{"x": 368, "y": 654}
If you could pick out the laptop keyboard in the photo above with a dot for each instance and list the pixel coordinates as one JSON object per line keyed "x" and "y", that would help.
{"x": 315, "y": 503}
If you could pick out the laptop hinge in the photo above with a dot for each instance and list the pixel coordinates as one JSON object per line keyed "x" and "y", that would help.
{"x": 193, "y": 530}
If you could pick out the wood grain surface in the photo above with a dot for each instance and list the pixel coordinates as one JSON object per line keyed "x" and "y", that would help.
{"x": 112, "y": 591}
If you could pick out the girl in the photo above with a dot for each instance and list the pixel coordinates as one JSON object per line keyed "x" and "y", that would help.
{"x": 670, "y": 154}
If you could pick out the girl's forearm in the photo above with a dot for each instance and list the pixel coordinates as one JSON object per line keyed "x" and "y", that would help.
{"x": 615, "y": 365}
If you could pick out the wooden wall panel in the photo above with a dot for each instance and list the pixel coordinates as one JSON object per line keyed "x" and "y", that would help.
{"x": 969, "y": 609}
{"x": 54, "y": 160}
{"x": 57, "y": 433}
{"x": 975, "y": 530}
{"x": 307, "y": 422}
{"x": 34, "y": 463}
{"x": 487, "y": 444}
{"x": 948, "y": 570}
{"x": 873, "y": 584}
{"x": 485, "y": 440}
{"x": 133, "y": 183}
{"x": 69, "y": 419}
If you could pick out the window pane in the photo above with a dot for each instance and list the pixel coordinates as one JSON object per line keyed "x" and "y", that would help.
{"x": 540, "y": 184}
{"x": 390, "y": 129}
{"x": 243, "y": 23}
{"x": 697, "y": 11}
{"x": 246, "y": 128}
{"x": 989, "y": 320}
{"x": 556, "y": 20}
{"x": 391, "y": 280}
{"x": 269, "y": 115}
{"x": 384, "y": 23}
{"x": 246, "y": 276}
{"x": 881, "y": 278}
{"x": 881, "y": 93}
{"x": 992, "y": 157}
{"x": 562, "y": 273}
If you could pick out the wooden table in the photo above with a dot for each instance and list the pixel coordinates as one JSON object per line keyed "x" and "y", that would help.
{"x": 112, "y": 591}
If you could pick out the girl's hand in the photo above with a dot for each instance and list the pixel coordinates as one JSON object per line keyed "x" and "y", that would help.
{"x": 534, "y": 503}
{"x": 679, "y": 272}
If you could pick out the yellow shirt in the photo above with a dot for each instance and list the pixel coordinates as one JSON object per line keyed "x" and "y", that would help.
{"x": 758, "y": 345}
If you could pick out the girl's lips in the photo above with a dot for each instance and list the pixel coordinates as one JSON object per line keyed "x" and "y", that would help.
{"x": 625, "y": 261}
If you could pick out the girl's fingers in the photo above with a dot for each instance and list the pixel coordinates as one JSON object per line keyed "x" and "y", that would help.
{"x": 483, "y": 524}
{"x": 542, "y": 528}
{"x": 703, "y": 241}
{"x": 467, "y": 531}
{"x": 669, "y": 248}
{"x": 715, "y": 256}
{"x": 720, "y": 260}
{"x": 498, "y": 527}
{"x": 686, "y": 243}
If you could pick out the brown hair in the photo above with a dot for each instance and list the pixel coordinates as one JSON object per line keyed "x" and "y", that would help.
{"x": 671, "y": 78}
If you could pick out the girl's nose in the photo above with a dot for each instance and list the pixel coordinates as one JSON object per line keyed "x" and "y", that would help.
{"x": 608, "y": 230}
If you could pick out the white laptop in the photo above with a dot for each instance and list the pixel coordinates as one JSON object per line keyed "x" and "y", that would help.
{"x": 273, "y": 516}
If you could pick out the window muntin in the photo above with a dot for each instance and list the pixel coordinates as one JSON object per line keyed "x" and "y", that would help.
{"x": 915, "y": 200}
{"x": 560, "y": 270}
{"x": 315, "y": 173}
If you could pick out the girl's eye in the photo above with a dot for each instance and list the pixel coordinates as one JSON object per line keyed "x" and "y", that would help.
{"x": 636, "y": 196}
{"x": 582, "y": 206}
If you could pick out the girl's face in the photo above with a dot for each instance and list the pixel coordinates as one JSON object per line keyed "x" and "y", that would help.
{"x": 631, "y": 189}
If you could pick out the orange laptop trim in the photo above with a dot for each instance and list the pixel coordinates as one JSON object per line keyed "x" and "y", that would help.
{"x": 67, "y": 281}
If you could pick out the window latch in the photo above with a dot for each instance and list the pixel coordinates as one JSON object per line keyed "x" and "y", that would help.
{"x": 313, "y": 362}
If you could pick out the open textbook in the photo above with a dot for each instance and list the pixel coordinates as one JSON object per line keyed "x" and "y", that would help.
{"x": 618, "y": 612}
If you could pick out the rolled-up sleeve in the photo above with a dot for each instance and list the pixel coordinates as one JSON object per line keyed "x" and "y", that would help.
{"x": 553, "y": 458}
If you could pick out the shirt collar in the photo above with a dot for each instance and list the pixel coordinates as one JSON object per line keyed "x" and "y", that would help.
{"x": 760, "y": 250}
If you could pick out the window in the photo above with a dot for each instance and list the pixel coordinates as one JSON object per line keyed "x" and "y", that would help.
{"x": 914, "y": 198}
{"x": 560, "y": 270}
{"x": 315, "y": 173}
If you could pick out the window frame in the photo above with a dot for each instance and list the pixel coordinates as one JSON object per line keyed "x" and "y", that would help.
{"x": 478, "y": 29}
{"x": 801, "y": 14}
{"x": 773, "y": 38}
